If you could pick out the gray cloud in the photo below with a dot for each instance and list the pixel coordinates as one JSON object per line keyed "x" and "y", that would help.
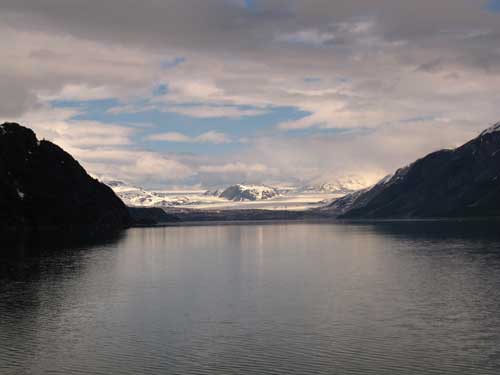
{"x": 16, "y": 96}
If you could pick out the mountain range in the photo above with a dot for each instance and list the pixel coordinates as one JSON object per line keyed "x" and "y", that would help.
{"x": 243, "y": 193}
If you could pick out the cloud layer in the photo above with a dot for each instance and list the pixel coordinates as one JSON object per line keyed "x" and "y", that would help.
{"x": 376, "y": 83}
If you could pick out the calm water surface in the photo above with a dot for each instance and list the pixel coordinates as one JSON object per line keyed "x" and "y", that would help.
{"x": 386, "y": 298}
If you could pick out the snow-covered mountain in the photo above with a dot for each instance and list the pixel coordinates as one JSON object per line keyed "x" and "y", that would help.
{"x": 242, "y": 192}
{"x": 238, "y": 196}
{"x": 136, "y": 196}
{"x": 343, "y": 185}
{"x": 213, "y": 193}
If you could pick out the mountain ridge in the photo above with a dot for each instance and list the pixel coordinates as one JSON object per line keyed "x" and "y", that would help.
{"x": 42, "y": 186}
{"x": 460, "y": 182}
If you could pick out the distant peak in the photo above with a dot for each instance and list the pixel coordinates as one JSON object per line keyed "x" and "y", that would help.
{"x": 492, "y": 129}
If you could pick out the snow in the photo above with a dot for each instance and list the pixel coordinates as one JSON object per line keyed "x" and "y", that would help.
{"x": 386, "y": 179}
{"x": 343, "y": 185}
{"x": 394, "y": 177}
{"x": 286, "y": 199}
{"x": 492, "y": 129}
{"x": 292, "y": 201}
{"x": 256, "y": 188}
{"x": 136, "y": 196}
{"x": 241, "y": 192}
{"x": 20, "y": 194}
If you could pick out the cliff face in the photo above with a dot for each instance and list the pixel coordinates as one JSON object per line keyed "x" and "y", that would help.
{"x": 41, "y": 185}
{"x": 464, "y": 182}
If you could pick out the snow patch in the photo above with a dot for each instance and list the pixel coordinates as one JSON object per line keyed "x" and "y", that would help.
{"x": 394, "y": 177}
{"x": 493, "y": 129}
{"x": 242, "y": 192}
{"x": 136, "y": 196}
{"x": 343, "y": 185}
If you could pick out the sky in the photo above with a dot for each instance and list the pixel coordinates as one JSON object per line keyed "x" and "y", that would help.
{"x": 207, "y": 93}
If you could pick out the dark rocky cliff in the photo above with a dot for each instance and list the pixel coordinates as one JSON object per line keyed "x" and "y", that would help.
{"x": 42, "y": 186}
{"x": 463, "y": 182}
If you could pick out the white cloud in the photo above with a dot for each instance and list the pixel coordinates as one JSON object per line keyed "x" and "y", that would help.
{"x": 80, "y": 92}
{"x": 206, "y": 111}
{"x": 57, "y": 125}
{"x": 213, "y": 137}
{"x": 234, "y": 168}
{"x": 170, "y": 137}
{"x": 136, "y": 166}
{"x": 208, "y": 137}
{"x": 311, "y": 36}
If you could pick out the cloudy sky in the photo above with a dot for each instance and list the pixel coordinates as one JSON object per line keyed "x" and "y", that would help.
{"x": 211, "y": 92}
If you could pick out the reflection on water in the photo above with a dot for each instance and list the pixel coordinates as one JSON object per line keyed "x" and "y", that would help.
{"x": 385, "y": 298}
{"x": 21, "y": 252}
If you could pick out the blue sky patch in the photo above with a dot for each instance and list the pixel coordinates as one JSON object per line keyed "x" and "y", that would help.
{"x": 169, "y": 64}
{"x": 154, "y": 121}
{"x": 250, "y": 4}
{"x": 160, "y": 90}
{"x": 494, "y": 6}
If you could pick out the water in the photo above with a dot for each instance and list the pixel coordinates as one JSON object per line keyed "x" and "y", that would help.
{"x": 387, "y": 298}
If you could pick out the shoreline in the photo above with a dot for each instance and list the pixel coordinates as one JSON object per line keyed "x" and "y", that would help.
{"x": 309, "y": 219}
